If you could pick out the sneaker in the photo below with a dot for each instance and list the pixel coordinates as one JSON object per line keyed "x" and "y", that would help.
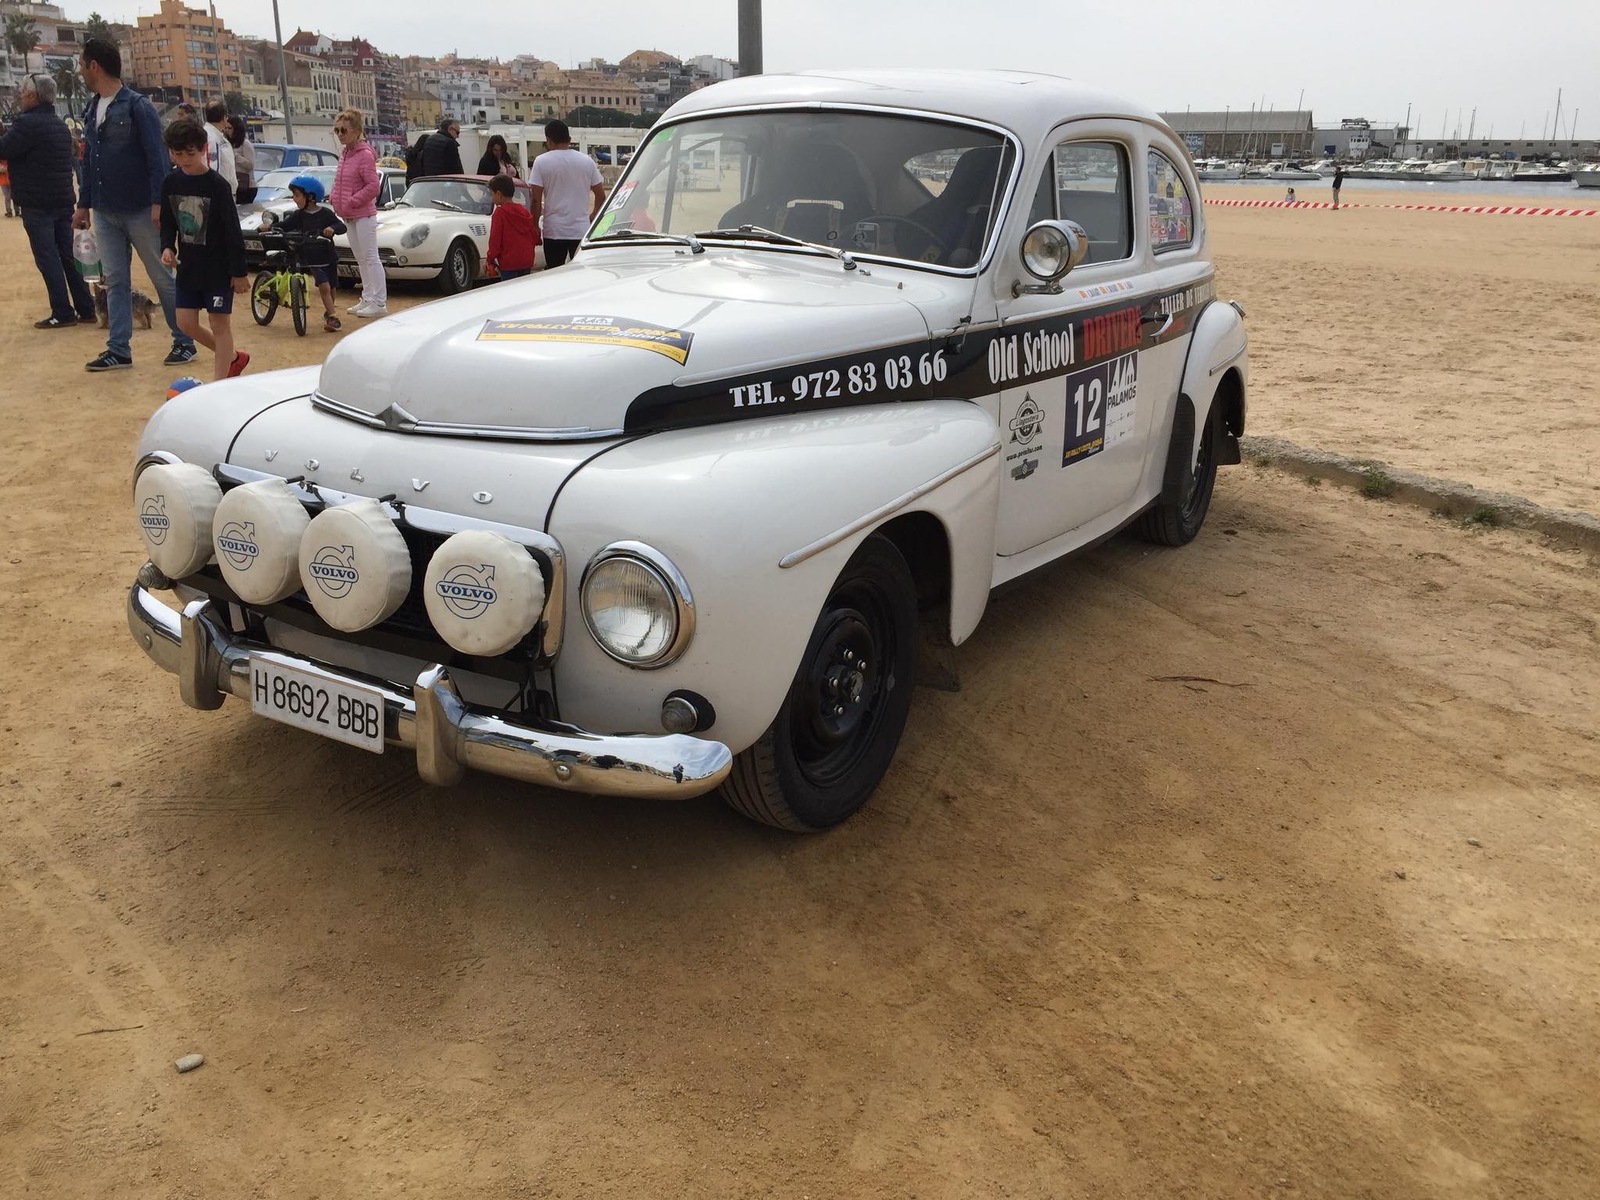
{"x": 54, "y": 322}
{"x": 241, "y": 360}
{"x": 108, "y": 362}
{"x": 358, "y": 309}
{"x": 372, "y": 310}
{"x": 331, "y": 323}
{"x": 179, "y": 354}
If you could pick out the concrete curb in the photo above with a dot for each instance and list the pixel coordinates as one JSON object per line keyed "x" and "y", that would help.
{"x": 1459, "y": 500}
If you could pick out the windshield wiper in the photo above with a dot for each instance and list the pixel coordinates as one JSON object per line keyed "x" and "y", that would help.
{"x": 755, "y": 233}
{"x": 680, "y": 239}
{"x": 446, "y": 204}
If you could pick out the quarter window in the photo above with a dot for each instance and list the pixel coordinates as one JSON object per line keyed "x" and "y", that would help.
{"x": 1091, "y": 186}
{"x": 1171, "y": 211}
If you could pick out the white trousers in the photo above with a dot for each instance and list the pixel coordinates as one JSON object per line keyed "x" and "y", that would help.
{"x": 364, "y": 243}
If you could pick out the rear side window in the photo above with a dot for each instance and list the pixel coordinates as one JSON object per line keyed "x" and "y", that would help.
{"x": 1171, "y": 211}
{"x": 1091, "y": 183}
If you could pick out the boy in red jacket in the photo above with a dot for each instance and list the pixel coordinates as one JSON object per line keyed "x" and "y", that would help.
{"x": 512, "y": 236}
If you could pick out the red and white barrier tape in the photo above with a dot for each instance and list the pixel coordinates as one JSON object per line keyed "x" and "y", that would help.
{"x": 1506, "y": 210}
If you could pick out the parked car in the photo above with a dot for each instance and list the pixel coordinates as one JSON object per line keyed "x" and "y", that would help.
{"x": 272, "y": 195}
{"x": 438, "y": 230}
{"x": 271, "y": 156}
{"x": 842, "y": 353}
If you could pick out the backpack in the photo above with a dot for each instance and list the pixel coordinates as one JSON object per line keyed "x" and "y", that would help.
{"x": 414, "y": 157}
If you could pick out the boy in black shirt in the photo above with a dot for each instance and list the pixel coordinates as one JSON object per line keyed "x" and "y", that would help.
{"x": 318, "y": 253}
{"x": 200, "y": 234}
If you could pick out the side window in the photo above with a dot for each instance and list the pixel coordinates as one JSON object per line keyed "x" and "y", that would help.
{"x": 1171, "y": 212}
{"x": 1092, "y": 189}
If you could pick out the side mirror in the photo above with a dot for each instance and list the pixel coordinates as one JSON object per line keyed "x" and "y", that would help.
{"x": 1049, "y": 250}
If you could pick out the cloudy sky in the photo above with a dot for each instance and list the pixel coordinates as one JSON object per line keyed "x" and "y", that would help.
{"x": 1367, "y": 58}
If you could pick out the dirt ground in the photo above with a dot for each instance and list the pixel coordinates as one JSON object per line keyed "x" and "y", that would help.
{"x": 1261, "y": 868}
{"x": 1458, "y": 345}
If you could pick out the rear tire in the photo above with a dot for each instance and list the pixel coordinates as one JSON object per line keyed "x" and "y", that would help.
{"x": 842, "y": 718}
{"x": 1176, "y": 516}
{"x": 263, "y": 298}
{"x": 459, "y": 270}
{"x": 299, "y": 305}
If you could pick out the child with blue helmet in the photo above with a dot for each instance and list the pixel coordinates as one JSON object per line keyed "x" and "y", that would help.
{"x": 318, "y": 253}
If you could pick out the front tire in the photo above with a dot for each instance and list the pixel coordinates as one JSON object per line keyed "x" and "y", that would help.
{"x": 460, "y": 268}
{"x": 299, "y": 303}
{"x": 263, "y": 298}
{"x": 842, "y": 718}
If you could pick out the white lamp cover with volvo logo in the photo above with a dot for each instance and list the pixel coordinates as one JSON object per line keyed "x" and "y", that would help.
{"x": 259, "y": 529}
{"x": 354, "y": 565}
{"x": 483, "y": 592}
{"x": 176, "y": 504}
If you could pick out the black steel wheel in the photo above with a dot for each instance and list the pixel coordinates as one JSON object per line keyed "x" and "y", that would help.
{"x": 299, "y": 303}
{"x": 1176, "y": 516}
{"x": 460, "y": 268}
{"x": 842, "y": 719}
{"x": 263, "y": 298}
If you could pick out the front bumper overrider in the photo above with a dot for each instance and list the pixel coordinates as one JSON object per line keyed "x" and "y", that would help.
{"x": 448, "y": 735}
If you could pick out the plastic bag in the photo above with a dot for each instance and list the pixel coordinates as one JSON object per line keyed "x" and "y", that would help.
{"x": 86, "y": 253}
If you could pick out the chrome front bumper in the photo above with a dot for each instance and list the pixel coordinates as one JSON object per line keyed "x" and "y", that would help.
{"x": 211, "y": 663}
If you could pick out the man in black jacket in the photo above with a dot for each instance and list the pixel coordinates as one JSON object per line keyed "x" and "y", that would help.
{"x": 38, "y": 146}
{"x": 441, "y": 153}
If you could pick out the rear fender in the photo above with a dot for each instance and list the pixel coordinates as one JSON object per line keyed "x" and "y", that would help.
{"x": 760, "y": 518}
{"x": 1218, "y": 352}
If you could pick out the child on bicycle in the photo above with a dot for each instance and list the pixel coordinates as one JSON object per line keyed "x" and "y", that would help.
{"x": 200, "y": 236}
{"x": 318, "y": 253}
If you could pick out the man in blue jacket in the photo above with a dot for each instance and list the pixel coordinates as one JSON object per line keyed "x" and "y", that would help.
{"x": 39, "y": 148}
{"x": 124, "y": 162}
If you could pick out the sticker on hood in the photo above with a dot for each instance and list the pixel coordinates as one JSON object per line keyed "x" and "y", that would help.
{"x": 593, "y": 330}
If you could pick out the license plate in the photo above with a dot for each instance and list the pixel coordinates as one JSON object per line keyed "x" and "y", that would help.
{"x": 347, "y": 271}
{"x": 344, "y": 712}
{"x": 253, "y": 244}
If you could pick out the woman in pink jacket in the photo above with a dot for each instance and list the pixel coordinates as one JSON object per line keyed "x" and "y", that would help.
{"x": 354, "y": 200}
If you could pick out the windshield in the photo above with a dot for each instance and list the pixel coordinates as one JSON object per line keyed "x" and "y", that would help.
{"x": 274, "y": 185}
{"x": 897, "y": 187}
{"x": 268, "y": 158}
{"x": 463, "y": 195}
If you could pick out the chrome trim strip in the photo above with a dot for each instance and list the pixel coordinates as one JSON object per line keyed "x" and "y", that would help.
{"x": 432, "y": 520}
{"x": 429, "y": 715}
{"x": 872, "y": 518}
{"x": 403, "y": 422}
{"x": 682, "y": 598}
{"x": 1230, "y": 360}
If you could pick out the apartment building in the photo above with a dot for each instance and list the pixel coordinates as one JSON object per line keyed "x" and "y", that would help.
{"x": 186, "y": 52}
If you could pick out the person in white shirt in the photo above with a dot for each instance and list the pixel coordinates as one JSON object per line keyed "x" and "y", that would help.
{"x": 219, "y": 146}
{"x": 566, "y": 190}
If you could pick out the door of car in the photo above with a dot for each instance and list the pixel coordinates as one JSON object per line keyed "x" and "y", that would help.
{"x": 1076, "y": 411}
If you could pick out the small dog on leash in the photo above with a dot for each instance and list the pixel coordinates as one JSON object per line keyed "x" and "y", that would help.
{"x": 141, "y": 303}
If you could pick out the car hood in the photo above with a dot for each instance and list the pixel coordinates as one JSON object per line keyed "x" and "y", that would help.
{"x": 610, "y": 342}
{"x": 410, "y": 214}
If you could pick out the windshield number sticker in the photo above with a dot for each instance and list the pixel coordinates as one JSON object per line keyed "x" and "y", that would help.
{"x": 895, "y": 373}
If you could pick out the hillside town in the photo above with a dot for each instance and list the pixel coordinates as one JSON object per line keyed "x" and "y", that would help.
{"x": 183, "y": 54}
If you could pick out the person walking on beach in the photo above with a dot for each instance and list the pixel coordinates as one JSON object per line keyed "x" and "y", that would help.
{"x": 38, "y": 148}
{"x": 567, "y": 191}
{"x": 124, "y": 164}
{"x": 200, "y": 236}
{"x": 1338, "y": 182}
{"x": 355, "y": 202}
{"x": 496, "y": 159}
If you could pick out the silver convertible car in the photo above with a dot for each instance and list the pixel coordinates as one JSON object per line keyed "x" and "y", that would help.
{"x": 840, "y": 354}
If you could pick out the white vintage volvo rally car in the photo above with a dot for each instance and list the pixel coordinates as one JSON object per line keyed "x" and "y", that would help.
{"x": 842, "y": 353}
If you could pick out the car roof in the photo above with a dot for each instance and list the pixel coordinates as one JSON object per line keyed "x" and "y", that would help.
{"x": 465, "y": 178}
{"x": 1027, "y": 102}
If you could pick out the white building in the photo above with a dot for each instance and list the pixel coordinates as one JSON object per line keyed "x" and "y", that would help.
{"x": 469, "y": 97}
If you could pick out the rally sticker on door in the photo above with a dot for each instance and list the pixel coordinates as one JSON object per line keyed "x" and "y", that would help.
{"x": 593, "y": 330}
{"x": 1101, "y": 403}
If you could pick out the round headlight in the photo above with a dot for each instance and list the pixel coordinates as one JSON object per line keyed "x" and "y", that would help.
{"x": 414, "y": 237}
{"x": 637, "y": 606}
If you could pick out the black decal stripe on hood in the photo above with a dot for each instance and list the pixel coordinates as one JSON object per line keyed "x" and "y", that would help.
{"x": 1105, "y": 331}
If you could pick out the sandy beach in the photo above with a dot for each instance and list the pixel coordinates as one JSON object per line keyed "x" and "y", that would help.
{"x": 1261, "y": 868}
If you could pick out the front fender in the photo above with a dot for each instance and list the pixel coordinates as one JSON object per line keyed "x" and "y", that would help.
{"x": 760, "y": 517}
{"x": 1218, "y": 345}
